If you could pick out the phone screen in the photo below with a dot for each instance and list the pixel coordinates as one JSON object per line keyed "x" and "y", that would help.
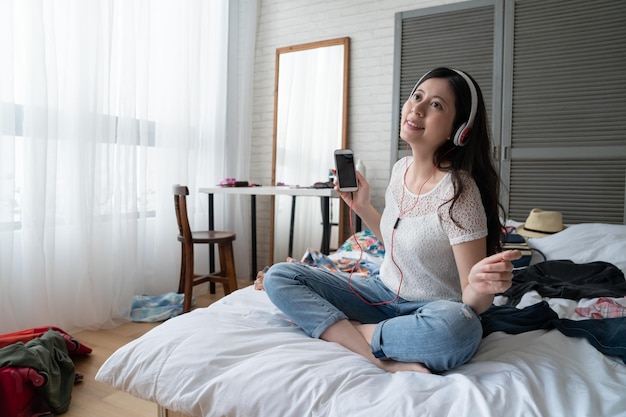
{"x": 346, "y": 172}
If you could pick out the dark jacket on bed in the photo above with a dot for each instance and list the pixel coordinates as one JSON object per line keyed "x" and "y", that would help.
{"x": 566, "y": 279}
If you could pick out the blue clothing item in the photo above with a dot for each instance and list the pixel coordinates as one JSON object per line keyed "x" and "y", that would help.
{"x": 606, "y": 335}
{"x": 440, "y": 334}
{"x": 513, "y": 320}
{"x": 153, "y": 308}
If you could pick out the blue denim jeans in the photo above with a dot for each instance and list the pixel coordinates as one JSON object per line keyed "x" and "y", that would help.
{"x": 440, "y": 334}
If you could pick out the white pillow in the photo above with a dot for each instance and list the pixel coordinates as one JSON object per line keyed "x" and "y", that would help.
{"x": 583, "y": 243}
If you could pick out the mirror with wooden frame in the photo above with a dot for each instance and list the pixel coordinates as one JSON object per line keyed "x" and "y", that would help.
{"x": 310, "y": 122}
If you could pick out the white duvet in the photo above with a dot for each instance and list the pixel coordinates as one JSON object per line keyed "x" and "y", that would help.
{"x": 242, "y": 357}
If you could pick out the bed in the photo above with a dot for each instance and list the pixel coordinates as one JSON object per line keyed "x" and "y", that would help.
{"x": 241, "y": 357}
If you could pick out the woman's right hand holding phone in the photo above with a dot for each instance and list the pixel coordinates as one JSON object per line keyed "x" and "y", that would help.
{"x": 360, "y": 203}
{"x": 355, "y": 199}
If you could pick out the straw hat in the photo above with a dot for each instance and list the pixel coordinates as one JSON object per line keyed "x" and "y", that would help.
{"x": 541, "y": 223}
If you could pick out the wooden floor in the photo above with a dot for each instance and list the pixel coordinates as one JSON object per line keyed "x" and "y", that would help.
{"x": 95, "y": 399}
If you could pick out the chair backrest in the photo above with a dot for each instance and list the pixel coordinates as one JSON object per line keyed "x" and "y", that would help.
{"x": 180, "y": 204}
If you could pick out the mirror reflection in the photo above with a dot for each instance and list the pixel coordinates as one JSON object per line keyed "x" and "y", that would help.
{"x": 310, "y": 122}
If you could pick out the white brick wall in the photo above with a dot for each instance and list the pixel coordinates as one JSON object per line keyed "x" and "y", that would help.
{"x": 370, "y": 26}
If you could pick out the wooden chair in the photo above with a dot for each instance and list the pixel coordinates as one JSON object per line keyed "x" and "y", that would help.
{"x": 224, "y": 241}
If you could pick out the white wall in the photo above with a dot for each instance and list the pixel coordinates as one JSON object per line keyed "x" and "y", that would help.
{"x": 370, "y": 26}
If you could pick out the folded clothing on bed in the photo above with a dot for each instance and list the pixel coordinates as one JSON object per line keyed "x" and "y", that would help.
{"x": 569, "y": 280}
{"x": 606, "y": 335}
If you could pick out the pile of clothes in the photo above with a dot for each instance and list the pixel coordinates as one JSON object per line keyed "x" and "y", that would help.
{"x": 37, "y": 373}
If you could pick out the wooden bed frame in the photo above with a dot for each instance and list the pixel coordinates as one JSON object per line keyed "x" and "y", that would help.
{"x": 164, "y": 412}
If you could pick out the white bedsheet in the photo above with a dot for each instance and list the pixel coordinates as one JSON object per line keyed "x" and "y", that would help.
{"x": 242, "y": 357}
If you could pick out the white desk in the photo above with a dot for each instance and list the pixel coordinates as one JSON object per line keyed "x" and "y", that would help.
{"x": 324, "y": 193}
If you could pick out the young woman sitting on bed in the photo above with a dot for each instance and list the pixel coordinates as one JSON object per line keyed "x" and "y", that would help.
{"x": 441, "y": 230}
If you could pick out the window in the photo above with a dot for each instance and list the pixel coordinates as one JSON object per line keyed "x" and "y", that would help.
{"x": 145, "y": 156}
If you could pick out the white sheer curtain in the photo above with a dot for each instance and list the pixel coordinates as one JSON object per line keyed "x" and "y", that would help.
{"x": 105, "y": 105}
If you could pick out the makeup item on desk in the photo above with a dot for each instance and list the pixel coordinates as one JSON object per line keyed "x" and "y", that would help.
{"x": 232, "y": 182}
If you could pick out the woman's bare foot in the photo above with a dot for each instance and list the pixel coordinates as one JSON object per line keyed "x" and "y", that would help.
{"x": 394, "y": 366}
{"x": 356, "y": 337}
{"x": 366, "y": 330}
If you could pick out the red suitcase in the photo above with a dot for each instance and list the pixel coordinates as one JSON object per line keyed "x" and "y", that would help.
{"x": 18, "y": 392}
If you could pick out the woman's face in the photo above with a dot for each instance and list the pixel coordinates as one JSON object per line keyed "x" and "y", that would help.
{"x": 428, "y": 115}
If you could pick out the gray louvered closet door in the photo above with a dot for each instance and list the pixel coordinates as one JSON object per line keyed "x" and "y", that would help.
{"x": 565, "y": 82}
{"x": 462, "y": 35}
{"x": 555, "y": 75}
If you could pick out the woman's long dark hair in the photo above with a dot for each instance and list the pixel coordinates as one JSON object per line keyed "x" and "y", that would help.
{"x": 474, "y": 157}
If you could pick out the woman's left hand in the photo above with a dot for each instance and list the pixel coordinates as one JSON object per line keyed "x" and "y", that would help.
{"x": 494, "y": 274}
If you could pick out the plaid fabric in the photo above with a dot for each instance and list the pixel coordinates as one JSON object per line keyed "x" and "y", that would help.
{"x": 604, "y": 308}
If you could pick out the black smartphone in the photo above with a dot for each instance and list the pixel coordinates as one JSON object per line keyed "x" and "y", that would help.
{"x": 346, "y": 170}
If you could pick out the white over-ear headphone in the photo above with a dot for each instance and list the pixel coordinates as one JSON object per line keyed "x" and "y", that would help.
{"x": 460, "y": 135}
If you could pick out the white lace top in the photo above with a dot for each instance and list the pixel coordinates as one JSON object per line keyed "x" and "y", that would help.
{"x": 421, "y": 246}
